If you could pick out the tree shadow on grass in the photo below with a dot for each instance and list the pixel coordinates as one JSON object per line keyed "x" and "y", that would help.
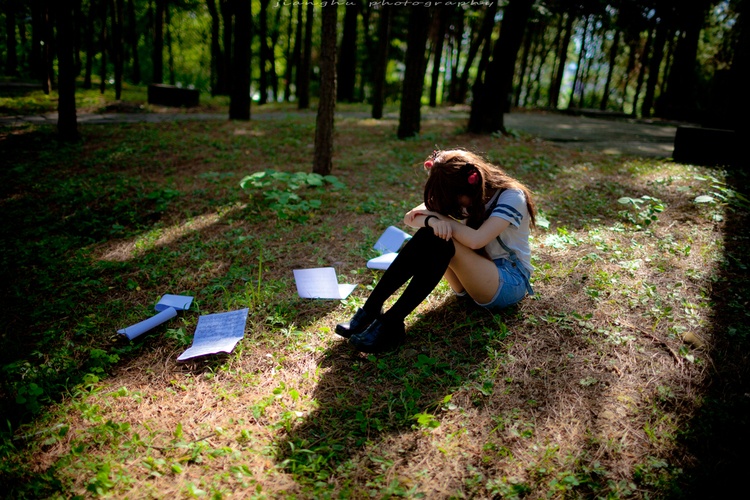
{"x": 365, "y": 398}
{"x": 718, "y": 435}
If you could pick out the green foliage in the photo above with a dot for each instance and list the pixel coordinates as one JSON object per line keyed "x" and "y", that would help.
{"x": 643, "y": 210}
{"x": 285, "y": 192}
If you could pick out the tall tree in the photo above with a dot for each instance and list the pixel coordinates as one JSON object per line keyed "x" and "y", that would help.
{"x": 323, "y": 156}
{"x": 440, "y": 25}
{"x": 11, "y": 59}
{"x": 381, "y": 62}
{"x": 680, "y": 99}
{"x": 239, "y": 102}
{"x": 116, "y": 6}
{"x": 168, "y": 39}
{"x": 132, "y": 36}
{"x": 577, "y": 86}
{"x": 217, "y": 58}
{"x": 288, "y": 70}
{"x": 103, "y": 45}
{"x": 265, "y": 51}
{"x": 660, "y": 40}
{"x": 67, "y": 122}
{"x": 157, "y": 59}
{"x": 492, "y": 95}
{"x": 305, "y": 67}
{"x": 481, "y": 38}
{"x": 612, "y": 62}
{"x": 227, "y": 16}
{"x": 416, "y": 64}
{"x": 561, "y": 59}
{"x": 88, "y": 41}
{"x": 347, "y": 63}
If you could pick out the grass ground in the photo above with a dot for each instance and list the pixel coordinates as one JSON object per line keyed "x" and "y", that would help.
{"x": 624, "y": 377}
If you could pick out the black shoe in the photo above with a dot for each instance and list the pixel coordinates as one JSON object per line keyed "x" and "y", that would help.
{"x": 380, "y": 336}
{"x": 358, "y": 324}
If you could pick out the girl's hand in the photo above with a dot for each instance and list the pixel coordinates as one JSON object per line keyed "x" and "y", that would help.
{"x": 412, "y": 214}
{"x": 442, "y": 228}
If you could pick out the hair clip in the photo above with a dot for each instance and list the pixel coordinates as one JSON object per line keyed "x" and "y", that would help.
{"x": 428, "y": 164}
{"x": 473, "y": 178}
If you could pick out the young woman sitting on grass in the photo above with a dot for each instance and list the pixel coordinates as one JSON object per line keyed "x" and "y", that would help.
{"x": 473, "y": 229}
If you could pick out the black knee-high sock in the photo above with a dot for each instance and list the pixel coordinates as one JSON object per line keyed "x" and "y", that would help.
{"x": 424, "y": 259}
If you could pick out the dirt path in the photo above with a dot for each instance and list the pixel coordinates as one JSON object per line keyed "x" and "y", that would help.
{"x": 612, "y": 136}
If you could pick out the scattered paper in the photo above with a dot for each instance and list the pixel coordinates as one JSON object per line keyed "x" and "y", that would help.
{"x": 382, "y": 262}
{"x": 391, "y": 240}
{"x": 133, "y": 331}
{"x": 388, "y": 244}
{"x": 217, "y": 333}
{"x": 320, "y": 283}
{"x": 179, "y": 302}
{"x": 167, "y": 308}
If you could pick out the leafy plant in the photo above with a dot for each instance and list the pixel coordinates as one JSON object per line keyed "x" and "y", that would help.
{"x": 644, "y": 210}
{"x": 281, "y": 191}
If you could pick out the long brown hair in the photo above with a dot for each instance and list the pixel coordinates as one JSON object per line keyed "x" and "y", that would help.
{"x": 457, "y": 173}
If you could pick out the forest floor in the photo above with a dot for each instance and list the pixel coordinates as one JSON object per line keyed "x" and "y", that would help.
{"x": 613, "y": 135}
{"x": 625, "y": 376}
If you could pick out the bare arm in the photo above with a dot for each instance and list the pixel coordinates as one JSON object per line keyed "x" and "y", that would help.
{"x": 448, "y": 228}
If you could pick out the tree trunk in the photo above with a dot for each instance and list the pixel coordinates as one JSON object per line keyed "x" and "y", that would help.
{"x": 11, "y": 60}
{"x": 492, "y": 96}
{"x": 274, "y": 34}
{"x": 483, "y": 36}
{"x": 227, "y": 16}
{"x": 303, "y": 75}
{"x": 158, "y": 55}
{"x": 90, "y": 46}
{"x": 323, "y": 157}
{"x": 578, "y": 80}
{"x": 347, "y": 64}
{"x": 455, "y": 49}
{"x": 680, "y": 100}
{"x": 381, "y": 62}
{"x": 264, "y": 52}
{"x": 239, "y": 101}
{"x": 36, "y": 56}
{"x": 133, "y": 42}
{"x": 67, "y": 122}
{"x": 642, "y": 70}
{"x": 416, "y": 64}
{"x": 437, "y": 54}
{"x": 217, "y": 62}
{"x": 613, "y": 50}
{"x": 662, "y": 31}
{"x": 529, "y": 41}
{"x": 117, "y": 46}
{"x": 562, "y": 57}
{"x": 366, "y": 67}
{"x": 543, "y": 53}
{"x": 289, "y": 55}
{"x": 103, "y": 45}
{"x": 170, "y": 52}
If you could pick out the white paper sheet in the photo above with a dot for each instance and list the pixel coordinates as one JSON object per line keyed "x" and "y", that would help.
{"x": 133, "y": 331}
{"x": 320, "y": 283}
{"x": 382, "y": 262}
{"x": 217, "y": 333}
{"x": 391, "y": 240}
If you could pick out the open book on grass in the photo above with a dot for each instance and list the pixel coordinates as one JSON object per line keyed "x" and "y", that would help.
{"x": 320, "y": 283}
{"x": 388, "y": 245}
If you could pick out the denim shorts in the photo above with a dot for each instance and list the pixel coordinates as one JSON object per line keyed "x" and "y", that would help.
{"x": 512, "y": 286}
